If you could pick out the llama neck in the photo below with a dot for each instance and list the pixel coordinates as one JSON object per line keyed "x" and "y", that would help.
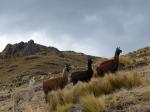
{"x": 65, "y": 75}
{"x": 90, "y": 68}
{"x": 116, "y": 58}
{"x": 31, "y": 87}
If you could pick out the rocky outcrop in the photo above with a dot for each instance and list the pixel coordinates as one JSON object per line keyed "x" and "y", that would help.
{"x": 26, "y": 49}
{"x": 31, "y": 48}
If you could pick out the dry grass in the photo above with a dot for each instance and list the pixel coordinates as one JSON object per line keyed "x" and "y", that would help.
{"x": 89, "y": 95}
{"x": 125, "y": 60}
{"x": 28, "y": 108}
{"x": 44, "y": 63}
{"x": 62, "y": 108}
{"x": 90, "y": 103}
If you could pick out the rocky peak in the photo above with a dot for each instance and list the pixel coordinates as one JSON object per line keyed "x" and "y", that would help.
{"x": 31, "y": 48}
{"x": 31, "y": 42}
{"x": 26, "y": 49}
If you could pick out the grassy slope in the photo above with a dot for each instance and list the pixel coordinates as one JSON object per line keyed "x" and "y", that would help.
{"x": 142, "y": 54}
{"x": 135, "y": 98}
{"x": 49, "y": 63}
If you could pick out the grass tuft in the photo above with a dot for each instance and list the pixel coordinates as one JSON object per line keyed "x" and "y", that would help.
{"x": 90, "y": 103}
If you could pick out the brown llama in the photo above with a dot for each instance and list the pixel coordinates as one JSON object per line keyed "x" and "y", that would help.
{"x": 56, "y": 83}
{"x": 83, "y": 76}
{"x": 109, "y": 66}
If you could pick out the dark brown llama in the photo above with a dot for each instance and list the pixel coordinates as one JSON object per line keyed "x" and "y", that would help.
{"x": 109, "y": 66}
{"x": 56, "y": 83}
{"x": 83, "y": 75}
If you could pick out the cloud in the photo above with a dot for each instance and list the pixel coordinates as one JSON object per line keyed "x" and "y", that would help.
{"x": 91, "y": 18}
{"x": 94, "y": 27}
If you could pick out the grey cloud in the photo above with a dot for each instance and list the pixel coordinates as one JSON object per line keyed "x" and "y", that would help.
{"x": 98, "y": 25}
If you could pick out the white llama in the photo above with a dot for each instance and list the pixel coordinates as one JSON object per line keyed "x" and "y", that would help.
{"x": 24, "y": 95}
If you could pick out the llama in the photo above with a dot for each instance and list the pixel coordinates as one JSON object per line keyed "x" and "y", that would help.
{"x": 109, "y": 66}
{"x": 24, "y": 95}
{"x": 56, "y": 83}
{"x": 84, "y": 76}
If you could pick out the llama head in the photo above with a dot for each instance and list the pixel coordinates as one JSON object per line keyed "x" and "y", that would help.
{"x": 67, "y": 67}
{"x": 32, "y": 82}
{"x": 118, "y": 51}
{"x": 66, "y": 71}
{"x": 90, "y": 61}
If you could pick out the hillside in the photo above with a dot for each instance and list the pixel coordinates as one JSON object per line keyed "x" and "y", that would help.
{"x": 126, "y": 91}
{"x": 31, "y": 59}
{"x": 142, "y": 54}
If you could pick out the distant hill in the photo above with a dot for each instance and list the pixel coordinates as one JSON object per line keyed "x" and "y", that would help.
{"x": 26, "y": 49}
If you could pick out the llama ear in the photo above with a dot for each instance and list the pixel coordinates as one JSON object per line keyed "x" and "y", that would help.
{"x": 33, "y": 79}
{"x": 66, "y": 65}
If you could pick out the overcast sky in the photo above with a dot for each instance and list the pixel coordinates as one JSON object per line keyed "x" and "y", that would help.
{"x": 94, "y": 27}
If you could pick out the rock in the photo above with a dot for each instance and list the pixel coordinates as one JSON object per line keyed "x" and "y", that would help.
{"x": 31, "y": 48}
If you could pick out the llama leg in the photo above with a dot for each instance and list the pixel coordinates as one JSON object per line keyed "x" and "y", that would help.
{"x": 98, "y": 72}
{"x": 101, "y": 73}
{"x": 46, "y": 96}
{"x": 75, "y": 82}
